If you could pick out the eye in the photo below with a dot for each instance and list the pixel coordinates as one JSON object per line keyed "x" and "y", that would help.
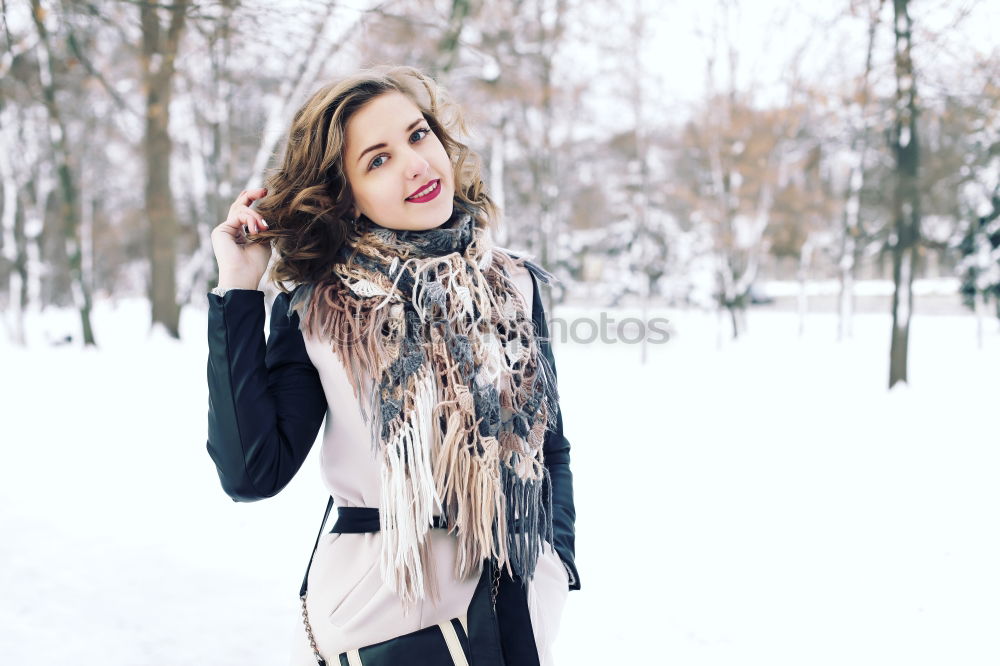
{"x": 374, "y": 164}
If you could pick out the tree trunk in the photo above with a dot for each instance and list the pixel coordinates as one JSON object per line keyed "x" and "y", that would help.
{"x": 449, "y": 43}
{"x": 68, "y": 191}
{"x": 906, "y": 199}
{"x": 14, "y": 250}
{"x": 198, "y": 272}
{"x": 498, "y": 156}
{"x": 551, "y": 28}
{"x": 805, "y": 259}
{"x": 852, "y": 231}
{"x": 845, "y": 299}
{"x": 736, "y": 318}
{"x": 640, "y": 198}
{"x": 979, "y": 307}
{"x": 158, "y": 55}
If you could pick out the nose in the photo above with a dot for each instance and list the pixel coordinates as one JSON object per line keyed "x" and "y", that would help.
{"x": 417, "y": 166}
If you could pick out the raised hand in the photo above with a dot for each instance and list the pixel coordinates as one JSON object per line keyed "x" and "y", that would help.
{"x": 242, "y": 261}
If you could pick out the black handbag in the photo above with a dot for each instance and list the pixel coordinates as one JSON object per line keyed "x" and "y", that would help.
{"x": 475, "y": 639}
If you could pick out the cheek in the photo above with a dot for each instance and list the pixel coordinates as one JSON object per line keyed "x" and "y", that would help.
{"x": 372, "y": 193}
{"x": 439, "y": 147}
{"x": 443, "y": 162}
{"x": 363, "y": 200}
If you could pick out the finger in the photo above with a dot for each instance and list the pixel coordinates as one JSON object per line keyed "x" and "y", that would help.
{"x": 229, "y": 227}
{"x": 243, "y": 227}
{"x": 249, "y": 196}
{"x": 233, "y": 222}
{"x": 256, "y": 222}
{"x": 252, "y": 224}
{"x": 243, "y": 232}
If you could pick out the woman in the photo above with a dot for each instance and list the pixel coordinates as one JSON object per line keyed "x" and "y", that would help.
{"x": 424, "y": 347}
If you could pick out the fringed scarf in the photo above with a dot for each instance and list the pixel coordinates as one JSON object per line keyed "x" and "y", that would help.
{"x": 463, "y": 397}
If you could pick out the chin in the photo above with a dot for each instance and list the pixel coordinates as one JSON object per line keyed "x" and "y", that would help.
{"x": 438, "y": 218}
{"x": 424, "y": 218}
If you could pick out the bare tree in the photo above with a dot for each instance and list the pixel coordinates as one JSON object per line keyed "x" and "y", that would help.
{"x": 551, "y": 21}
{"x": 852, "y": 230}
{"x": 13, "y": 241}
{"x": 68, "y": 190}
{"x": 215, "y": 118}
{"x": 158, "y": 60}
{"x": 906, "y": 196}
{"x": 504, "y": 57}
{"x": 448, "y": 45}
{"x": 648, "y": 246}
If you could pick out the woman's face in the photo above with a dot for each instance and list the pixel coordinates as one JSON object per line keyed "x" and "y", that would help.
{"x": 398, "y": 170}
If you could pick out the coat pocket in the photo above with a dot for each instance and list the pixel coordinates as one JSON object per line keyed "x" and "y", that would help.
{"x": 547, "y": 595}
{"x": 356, "y": 596}
{"x": 549, "y": 551}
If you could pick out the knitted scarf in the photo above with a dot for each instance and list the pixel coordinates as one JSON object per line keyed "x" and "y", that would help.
{"x": 463, "y": 395}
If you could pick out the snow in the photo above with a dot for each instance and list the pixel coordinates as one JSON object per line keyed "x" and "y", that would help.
{"x": 769, "y": 501}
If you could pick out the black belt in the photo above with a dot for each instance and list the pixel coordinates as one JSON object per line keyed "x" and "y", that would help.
{"x": 513, "y": 618}
{"x": 358, "y": 519}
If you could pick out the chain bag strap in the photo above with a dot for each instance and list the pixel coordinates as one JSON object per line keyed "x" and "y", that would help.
{"x": 305, "y": 586}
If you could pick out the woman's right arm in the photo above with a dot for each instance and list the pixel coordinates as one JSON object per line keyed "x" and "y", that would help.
{"x": 266, "y": 402}
{"x": 265, "y": 399}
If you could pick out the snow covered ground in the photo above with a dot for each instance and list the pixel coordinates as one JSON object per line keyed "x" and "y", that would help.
{"x": 765, "y": 501}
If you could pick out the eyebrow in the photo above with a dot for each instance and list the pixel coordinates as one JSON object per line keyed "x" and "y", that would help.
{"x": 383, "y": 145}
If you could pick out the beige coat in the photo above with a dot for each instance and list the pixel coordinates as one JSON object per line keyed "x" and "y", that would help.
{"x": 349, "y": 604}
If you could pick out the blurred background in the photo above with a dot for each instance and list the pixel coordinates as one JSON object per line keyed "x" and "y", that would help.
{"x": 801, "y": 471}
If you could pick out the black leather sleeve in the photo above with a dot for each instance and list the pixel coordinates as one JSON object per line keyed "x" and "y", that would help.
{"x": 556, "y": 450}
{"x": 265, "y": 400}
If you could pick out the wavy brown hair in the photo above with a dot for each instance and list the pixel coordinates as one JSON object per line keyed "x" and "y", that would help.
{"x": 309, "y": 202}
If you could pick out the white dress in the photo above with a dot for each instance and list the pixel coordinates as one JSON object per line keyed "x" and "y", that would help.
{"x": 349, "y": 604}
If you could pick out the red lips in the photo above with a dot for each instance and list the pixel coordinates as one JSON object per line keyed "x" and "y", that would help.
{"x": 430, "y": 195}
